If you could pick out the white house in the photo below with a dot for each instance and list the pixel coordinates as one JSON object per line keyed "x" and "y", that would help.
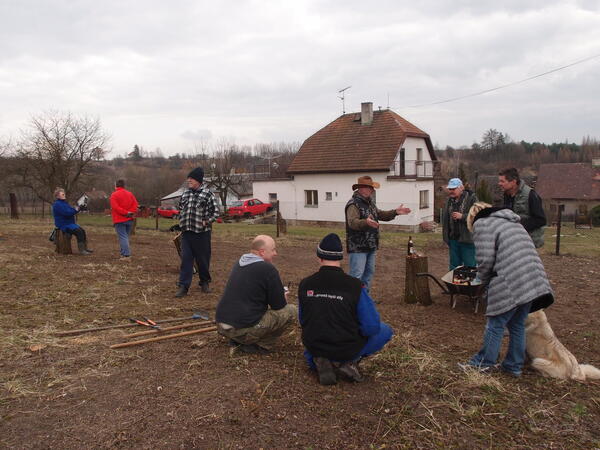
{"x": 394, "y": 152}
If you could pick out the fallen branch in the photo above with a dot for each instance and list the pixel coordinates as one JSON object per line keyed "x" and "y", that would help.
{"x": 162, "y": 338}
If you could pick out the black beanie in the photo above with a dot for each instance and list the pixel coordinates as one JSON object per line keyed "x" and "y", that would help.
{"x": 197, "y": 174}
{"x": 330, "y": 248}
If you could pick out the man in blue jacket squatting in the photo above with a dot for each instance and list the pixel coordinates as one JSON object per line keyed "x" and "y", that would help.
{"x": 340, "y": 324}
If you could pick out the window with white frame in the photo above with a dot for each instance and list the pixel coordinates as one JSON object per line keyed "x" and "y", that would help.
{"x": 272, "y": 197}
{"x": 311, "y": 198}
{"x": 423, "y": 199}
{"x": 328, "y": 196}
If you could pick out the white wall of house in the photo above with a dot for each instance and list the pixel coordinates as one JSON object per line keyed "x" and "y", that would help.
{"x": 334, "y": 191}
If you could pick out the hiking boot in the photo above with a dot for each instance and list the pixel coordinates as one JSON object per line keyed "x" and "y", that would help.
{"x": 86, "y": 247}
{"x": 82, "y": 249}
{"x": 181, "y": 291}
{"x": 204, "y": 287}
{"x": 253, "y": 349}
{"x": 325, "y": 371}
{"x": 350, "y": 370}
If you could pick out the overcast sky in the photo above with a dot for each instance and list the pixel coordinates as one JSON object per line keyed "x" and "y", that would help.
{"x": 170, "y": 74}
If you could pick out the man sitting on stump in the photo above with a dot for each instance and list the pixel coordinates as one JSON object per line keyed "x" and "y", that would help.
{"x": 64, "y": 219}
{"x": 253, "y": 311}
{"x": 340, "y": 324}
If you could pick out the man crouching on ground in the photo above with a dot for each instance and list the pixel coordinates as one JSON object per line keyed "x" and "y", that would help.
{"x": 243, "y": 313}
{"x": 340, "y": 324}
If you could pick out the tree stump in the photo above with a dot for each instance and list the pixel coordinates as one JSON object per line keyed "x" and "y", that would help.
{"x": 177, "y": 243}
{"x": 416, "y": 289}
{"x": 62, "y": 243}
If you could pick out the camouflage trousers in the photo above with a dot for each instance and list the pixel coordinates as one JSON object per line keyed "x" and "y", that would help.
{"x": 266, "y": 331}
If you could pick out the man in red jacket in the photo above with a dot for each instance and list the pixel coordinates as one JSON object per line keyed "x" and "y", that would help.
{"x": 123, "y": 206}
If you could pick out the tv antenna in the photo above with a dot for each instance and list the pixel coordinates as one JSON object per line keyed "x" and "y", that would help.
{"x": 342, "y": 97}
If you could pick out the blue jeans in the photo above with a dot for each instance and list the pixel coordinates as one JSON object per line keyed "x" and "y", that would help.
{"x": 514, "y": 320}
{"x": 123, "y": 229}
{"x": 362, "y": 266}
{"x": 373, "y": 345}
{"x": 461, "y": 254}
{"x": 195, "y": 247}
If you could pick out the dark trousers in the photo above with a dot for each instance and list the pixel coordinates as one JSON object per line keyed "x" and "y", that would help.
{"x": 194, "y": 246}
{"x": 79, "y": 234}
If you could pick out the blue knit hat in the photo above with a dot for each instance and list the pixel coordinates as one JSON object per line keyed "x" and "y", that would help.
{"x": 330, "y": 248}
{"x": 197, "y": 174}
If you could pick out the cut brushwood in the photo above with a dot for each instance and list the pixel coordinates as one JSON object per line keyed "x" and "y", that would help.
{"x": 162, "y": 338}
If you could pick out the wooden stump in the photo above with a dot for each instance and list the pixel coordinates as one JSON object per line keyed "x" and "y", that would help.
{"x": 177, "y": 243}
{"x": 62, "y": 243}
{"x": 416, "y": 289}
{"x": 281, "y": 223}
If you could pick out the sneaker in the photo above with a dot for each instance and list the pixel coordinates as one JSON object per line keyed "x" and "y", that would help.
{"x": 181, "y": 292}
{"x": 350, "y": 370}
{"x": 509, "y": 373}
{"x": 325, "y": 371}
{"x": 204, "y": 287}
{"x": 253, "y": 349}
{"x": 125, "y": 258}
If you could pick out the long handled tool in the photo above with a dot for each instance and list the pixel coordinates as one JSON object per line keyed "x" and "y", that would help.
{"x": 162, "y": 338}
{"x": 198, "y": 315}
{"x": 176, "y": 327}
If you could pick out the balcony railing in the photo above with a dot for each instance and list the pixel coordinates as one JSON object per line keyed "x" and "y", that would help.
{"x": 412, "y": 169}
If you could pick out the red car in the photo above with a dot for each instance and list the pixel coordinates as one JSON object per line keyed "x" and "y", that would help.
{"x": 248, "y": 208}
{"x": 170, "y": 212}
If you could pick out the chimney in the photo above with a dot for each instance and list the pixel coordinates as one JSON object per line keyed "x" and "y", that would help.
{"x": 366, "y": 113}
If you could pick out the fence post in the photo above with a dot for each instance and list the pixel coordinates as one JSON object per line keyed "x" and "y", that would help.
{"x": 558, "y": 226}
{"x": 156, "y": 211}
{"x": 277, "y": 216}
{"x": 14, "y": 213}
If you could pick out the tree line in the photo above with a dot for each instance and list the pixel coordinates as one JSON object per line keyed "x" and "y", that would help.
{"x": 62, "y": 150}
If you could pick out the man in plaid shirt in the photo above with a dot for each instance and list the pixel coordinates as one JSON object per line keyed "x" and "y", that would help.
{"x": 197, "y": 211}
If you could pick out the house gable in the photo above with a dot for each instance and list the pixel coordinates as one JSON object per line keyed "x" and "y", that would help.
{"x": 577, "y": 181}
{"x": 346, "y": 145}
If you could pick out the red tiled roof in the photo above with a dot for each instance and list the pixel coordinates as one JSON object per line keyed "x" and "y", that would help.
{"x": 578, "y": 181}
{"x": 345, "y": 145}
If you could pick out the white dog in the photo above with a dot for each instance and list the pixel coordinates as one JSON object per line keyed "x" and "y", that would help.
{"x": 549, "y": 356}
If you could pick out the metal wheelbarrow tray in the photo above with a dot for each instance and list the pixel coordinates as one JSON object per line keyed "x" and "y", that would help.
{"x": 472, "y": 290}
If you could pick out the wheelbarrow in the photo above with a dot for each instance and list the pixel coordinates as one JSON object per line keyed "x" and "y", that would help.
{"x": 472, "y": 289}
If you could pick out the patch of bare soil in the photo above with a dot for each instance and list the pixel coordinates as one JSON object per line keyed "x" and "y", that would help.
{"x": 195, "y": 392}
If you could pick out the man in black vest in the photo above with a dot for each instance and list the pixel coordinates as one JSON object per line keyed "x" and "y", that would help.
{"x": 362, "y": 229}
{"x": 340, "y": 324}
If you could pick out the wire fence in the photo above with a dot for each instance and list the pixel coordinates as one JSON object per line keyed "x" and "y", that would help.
{"x": 571, "y": 235}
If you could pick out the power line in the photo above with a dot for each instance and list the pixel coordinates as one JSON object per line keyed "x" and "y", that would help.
{"x": 474, "y": 94}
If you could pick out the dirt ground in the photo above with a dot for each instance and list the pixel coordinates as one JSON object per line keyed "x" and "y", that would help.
{"x": 196, "y": 392}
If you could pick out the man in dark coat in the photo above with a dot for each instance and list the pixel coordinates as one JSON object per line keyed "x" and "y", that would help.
{"x": 253, "y": 311}
{"x": 525, "y": 202}
{"x": 340, "y": 324}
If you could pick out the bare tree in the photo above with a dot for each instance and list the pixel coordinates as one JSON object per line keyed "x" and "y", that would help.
{"x": 58, "y": 149}
{"x": 221, "y": 172}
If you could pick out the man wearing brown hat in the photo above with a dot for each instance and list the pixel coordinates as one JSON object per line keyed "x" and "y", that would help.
{"x": 362, "y": 228}
{"x": 197, "y": 211}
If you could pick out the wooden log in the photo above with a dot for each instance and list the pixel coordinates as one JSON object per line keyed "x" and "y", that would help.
{"x": 162, "y": 338}
{"x": 416, "y": 289}
{"x": 176, "y": 327}
{"x": 62, "y": 243}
